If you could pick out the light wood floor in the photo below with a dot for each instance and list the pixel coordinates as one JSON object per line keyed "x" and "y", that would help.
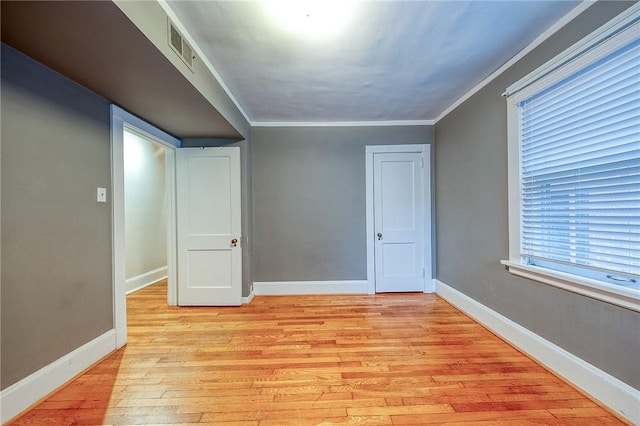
{"x": 303, "y": 360}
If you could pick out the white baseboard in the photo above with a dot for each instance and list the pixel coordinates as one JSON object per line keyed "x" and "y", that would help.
{"x": 310, "y": 287}
{"x": 249, "y": 298}
{"x": 143, "y": 280}
{"x": 615, "y": 394}
{"x": 121, "y": 337}
{"x": 20, "y": 396}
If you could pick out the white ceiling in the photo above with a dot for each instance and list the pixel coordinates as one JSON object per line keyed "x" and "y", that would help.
{"x": 396, "y": 61}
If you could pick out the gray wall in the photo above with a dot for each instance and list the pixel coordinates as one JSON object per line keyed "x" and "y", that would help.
{"x": 145, "y": 205}
{"x": 471, "y": 224}
{"x": 56, "y": 239}
{"x": 309, "y": 199}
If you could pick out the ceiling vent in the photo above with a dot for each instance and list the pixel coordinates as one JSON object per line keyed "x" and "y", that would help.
{"x": 180, "y": 46}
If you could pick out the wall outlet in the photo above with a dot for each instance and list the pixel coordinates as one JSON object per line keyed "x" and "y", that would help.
{"x": 102, "y": 195}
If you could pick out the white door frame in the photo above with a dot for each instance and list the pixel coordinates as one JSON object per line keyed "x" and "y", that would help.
{"x": 425, "y": 150}
{"x": 121, "y": 120}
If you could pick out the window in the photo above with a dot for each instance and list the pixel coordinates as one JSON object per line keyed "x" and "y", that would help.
{"x": 574, "y": 164}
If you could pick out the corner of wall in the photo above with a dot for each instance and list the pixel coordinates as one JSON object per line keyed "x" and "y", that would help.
{"x": 623, "y": 399}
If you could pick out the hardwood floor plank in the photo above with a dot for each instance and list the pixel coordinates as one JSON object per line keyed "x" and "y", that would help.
{"x": 313, "y": 360}
{"x": 347, "y": 420}
{"x": 421, "y": 409}
{"x": 473, "y": 417}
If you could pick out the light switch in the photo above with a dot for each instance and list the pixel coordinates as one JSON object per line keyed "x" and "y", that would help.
{"x": 102, "y": 195}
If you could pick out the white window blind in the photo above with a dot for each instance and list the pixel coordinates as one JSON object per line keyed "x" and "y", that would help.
{"x": 580, "y": 171}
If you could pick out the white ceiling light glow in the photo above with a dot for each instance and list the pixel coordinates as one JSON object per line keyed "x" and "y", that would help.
{"x": 313, "y": 19}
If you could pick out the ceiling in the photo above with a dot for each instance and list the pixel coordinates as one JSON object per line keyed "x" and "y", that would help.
{"x": 396, "y": 60}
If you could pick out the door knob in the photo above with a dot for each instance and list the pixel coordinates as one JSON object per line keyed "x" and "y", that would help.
{"x": 379, "y": 235}
{"x": 234, "y": 242}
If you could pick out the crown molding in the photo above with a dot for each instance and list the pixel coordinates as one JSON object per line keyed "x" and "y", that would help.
{"x": 342, "y": 123}
{"x": 573, "y": 13}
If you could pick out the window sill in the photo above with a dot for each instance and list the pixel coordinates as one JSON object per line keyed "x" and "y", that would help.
{"x": 626, "y": 298}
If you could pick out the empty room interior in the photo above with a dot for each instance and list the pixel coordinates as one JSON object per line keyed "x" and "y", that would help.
{"x": 320, "y": 212}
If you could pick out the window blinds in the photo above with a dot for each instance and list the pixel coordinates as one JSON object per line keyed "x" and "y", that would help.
{"x": 580, "y": 168}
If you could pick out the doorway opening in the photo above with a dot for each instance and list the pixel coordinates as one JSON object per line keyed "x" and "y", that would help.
{"x": 124, "y": 124}
{"x": 145, "y": 210}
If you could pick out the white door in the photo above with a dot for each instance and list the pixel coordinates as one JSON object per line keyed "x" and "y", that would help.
{"x": 399, "y": 221}
{"x": 208, "y": 226}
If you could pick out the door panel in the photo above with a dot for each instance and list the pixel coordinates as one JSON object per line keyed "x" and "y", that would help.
{"x": 208, "y": 199}
{"x": 211, "y": 175}
{"x": 397, "y": 195}
{"x": 399, "y": 221}
{"x": 398, "y": 259}
{"x": 207, "y": 267}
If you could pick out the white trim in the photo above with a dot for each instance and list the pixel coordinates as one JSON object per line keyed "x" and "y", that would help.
{"x": 246, "y": 300}
{"x": 607, "y": 38}
{"x": 146, "y": 279}
{"x": 616, "y": 295}
{"x": 369, "y": 221}
{"x": 172, "y": 242}
{"x": 610, "y": 391}
{"x": 20, "y": 396}
{"x": 513, "y": 182}
{"x": 377, "y": 149}
{"x": 370, "y": 150}
{"x": 117, "y": 219}
{"x": 121, "y": 119}
{"x": 428, "y": 221}
{"x": 580, "y": 54}
{"x": 573, "y": 13}
{"x": 342, "y": 123}
{"x": 309, "y": 287}
{"x": 186, "y": 35}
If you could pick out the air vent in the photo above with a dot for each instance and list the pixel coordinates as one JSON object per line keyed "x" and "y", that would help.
{"x": 180, "y": 46}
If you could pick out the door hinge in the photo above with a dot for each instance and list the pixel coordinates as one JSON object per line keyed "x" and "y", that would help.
{"x": 424, "y": 273}
{"x": 422, "y": 162}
